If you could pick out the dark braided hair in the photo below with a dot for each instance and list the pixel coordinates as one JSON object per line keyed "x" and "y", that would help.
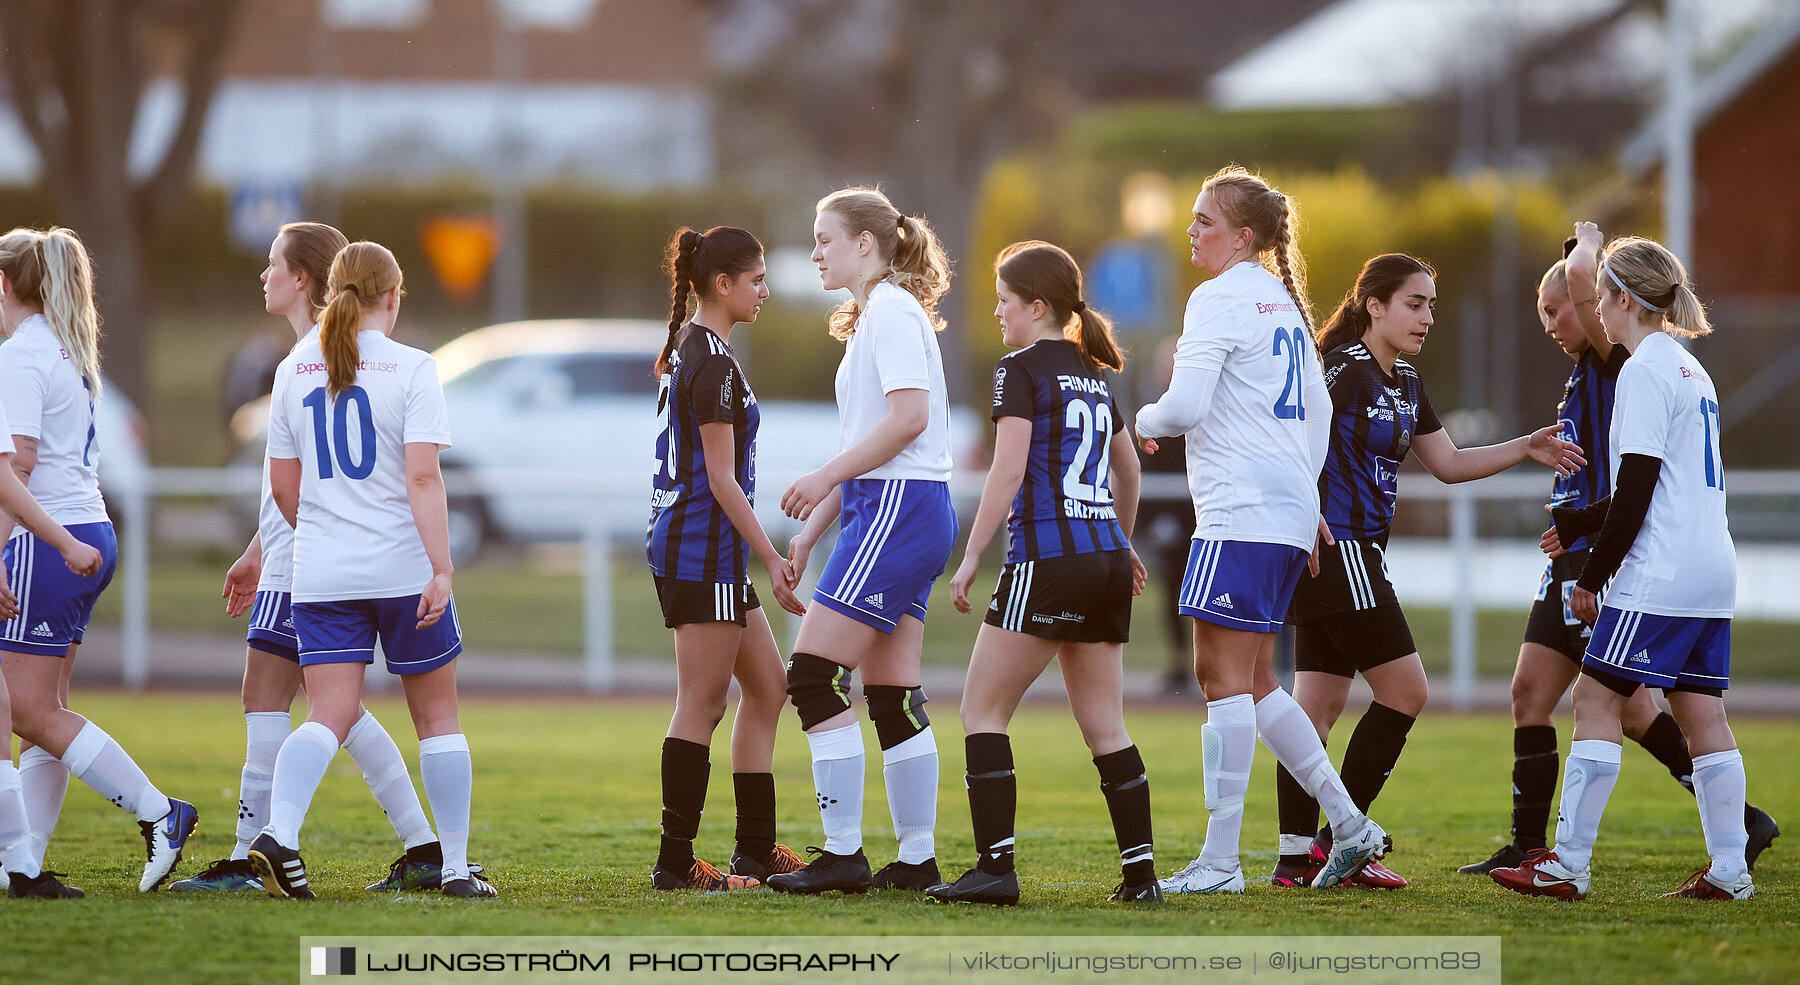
{"x": 693, "y": 261}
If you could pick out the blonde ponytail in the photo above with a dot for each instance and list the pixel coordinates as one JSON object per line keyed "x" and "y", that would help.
{"x": 916, "y": 259}
{"x": 51, "y": 270}
{"x": 361, "y": 275}
{"x": 1656, "y": 280}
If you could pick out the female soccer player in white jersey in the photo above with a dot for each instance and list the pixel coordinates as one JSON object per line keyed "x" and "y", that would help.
{"x": 1065, "y": 468}
{"x": 1349, "y": 621}
{"x": 261, "y": 583}
{"x": 889, "y": 485}
{"x": 356, "y": 423}
{"x": 24, "y": 877}
{"x": 1550, "y": 657}
{"x": 1667, "y": 618}
{"x": 49, "y": 383}
{"x": 702, "y": 529}
{"x": 1248, "y": 395}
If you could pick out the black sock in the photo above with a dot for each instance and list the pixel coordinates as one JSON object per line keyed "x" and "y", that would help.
{"x": 685, "y": 768}
{"x": 755, "y": 814}
{"x": 1373, "y": 750}
{"x": 1127, "y": 792}
{"x": 993, "y": 799}
{"x": 1534, "y": 781}
{"x": 1663, "y": 739}
{"x": 1297, "y": 812}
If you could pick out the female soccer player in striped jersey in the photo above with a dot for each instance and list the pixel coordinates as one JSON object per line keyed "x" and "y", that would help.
{"x": 702, "y": 529}
{"x": 1550, "y": 656}
{"x": 261, "y": 582}
{"x": 1348, "y": 620}
{"x": 1248, "y": 395}
{"x": 356, "y": 423}
{"x": 16, "y": 849}
{"x": 889, "y": 484}
{"x": 49, "y": 385}
{"x": 1065, "y": 468}
{"x": 1662, "y": 540}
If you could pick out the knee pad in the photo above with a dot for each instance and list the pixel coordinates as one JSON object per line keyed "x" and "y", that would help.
{"x": 819, "y": 688}
{"x": 898, "y": 712}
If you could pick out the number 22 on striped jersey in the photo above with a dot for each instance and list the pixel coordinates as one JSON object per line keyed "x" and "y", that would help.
{"x": 1094, "y": 423}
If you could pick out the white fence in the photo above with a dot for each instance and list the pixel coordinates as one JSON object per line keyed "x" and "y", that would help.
{"x": 1458, "y": 570}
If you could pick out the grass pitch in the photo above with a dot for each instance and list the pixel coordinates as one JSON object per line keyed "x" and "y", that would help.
{"x": 566, "y": 811}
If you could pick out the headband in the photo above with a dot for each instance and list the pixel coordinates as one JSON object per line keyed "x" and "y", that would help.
{"x": 1634, "y": 295}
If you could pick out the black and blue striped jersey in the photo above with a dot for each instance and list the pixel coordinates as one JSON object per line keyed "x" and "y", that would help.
{"x": 1585, "y": 416}
{"x": 690, "y": 538}
{"x": 1065, "y": 504}
{"x": 1375, "y": 418}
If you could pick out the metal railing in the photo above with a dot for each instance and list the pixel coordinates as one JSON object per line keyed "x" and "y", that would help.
{"x": 608, "y": 524}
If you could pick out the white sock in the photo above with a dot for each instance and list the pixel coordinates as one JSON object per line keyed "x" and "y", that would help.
{"x": 299, "y": 768}
{"x": 43, "y": 782}
{"x": 15, "y": 828}
{"x": 1291, "y": 736}
{"x": 264, "y": 732}
{"x": 1296, "y": 844}
{"x": 384, "y": 771}
{"x": 1588, "y": 779}
{"x": 837, "y": 763}
{"x": 1719, "y": 783}
{"x": 1227, "y": 750}
{"x": 910, "y": 770}
{"x": 449, "y": 776}
{"x": 96, "y": 759}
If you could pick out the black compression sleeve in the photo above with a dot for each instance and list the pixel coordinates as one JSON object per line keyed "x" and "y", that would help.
{"x": 1575, "y": 522}
{"x": 1630, "y": 503}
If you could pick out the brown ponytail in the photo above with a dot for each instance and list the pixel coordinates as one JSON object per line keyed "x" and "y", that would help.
{"x": 1274, "y": 220}
{"x": 361, "y": 275}
{"x": 1380, "y": 279}
{"x": 694, "y": 260}
{"x": 916, "y": 259}
{"x": 1040, "y": 271}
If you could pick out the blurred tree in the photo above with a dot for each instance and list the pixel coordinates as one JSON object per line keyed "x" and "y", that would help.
{"x": 76, "y": 71}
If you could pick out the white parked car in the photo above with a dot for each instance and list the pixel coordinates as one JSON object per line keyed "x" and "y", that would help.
{"x": 539, "y": 407}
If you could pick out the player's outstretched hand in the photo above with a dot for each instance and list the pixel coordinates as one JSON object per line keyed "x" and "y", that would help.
{"x": 782, "y": 581}
{"x": 83, "y": 559}
{"x": 960, "y": 582}
{"x": 1583, "y": 605}
{"x": 1149, "y": 445}
{"x": 1546, "y": 447}
{"x": 799, "y": 550}
{"x": 1550, "y": 542}
{"x": 9, "y": 603}
{"x": 807, "y": 492}
{"x": 1323, "y": 541}
{"x": 1140, "y": 576}
{"x": 239, "y": 592}
{"x": 433, "y": 601}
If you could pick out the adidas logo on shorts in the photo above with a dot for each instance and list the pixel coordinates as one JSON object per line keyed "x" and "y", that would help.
{"x": 1641, "y": 657}
{"x": 874, "y": 600}
{"x": 43, "y": 629}
{"x": 287, "y": 623}
{"x": 1223, "y": 601}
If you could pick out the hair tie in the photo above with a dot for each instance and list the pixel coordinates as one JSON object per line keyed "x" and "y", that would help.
{"x": 352, "y": 289}
{"x": 1634, "y": 295}
{"x": 1079, "y": 306}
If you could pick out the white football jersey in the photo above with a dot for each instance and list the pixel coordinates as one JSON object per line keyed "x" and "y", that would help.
{"x": 1683, "y": 562}
{"x": 894, "y": 348}
{"x": 46, "y": 398}
{"x": 356, "y": 537}
{"x": 1252, "y": 471}
{"x": 277, "y": 536}
{"x": 6, "y": 442}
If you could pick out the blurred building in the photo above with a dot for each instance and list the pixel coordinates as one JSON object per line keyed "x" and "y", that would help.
{"x": 367, "y": 91}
